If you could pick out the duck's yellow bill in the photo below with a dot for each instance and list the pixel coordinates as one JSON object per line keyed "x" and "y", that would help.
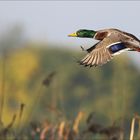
{"x": 72, "y": 35}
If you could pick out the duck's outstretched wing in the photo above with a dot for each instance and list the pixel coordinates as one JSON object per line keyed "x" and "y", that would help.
{"x": 102, "y": 52}
{"x": 96, "y": 57}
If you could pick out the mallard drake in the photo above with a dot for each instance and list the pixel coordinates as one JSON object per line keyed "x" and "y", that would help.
{"x": 111, "y": 42}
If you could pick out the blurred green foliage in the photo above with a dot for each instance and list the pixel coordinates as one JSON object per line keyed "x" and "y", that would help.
{"x": 110, "y": 91}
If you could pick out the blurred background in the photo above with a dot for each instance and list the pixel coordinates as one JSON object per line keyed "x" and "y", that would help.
{"x": 40, "y": 79}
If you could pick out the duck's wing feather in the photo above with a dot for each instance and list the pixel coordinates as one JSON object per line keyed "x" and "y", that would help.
{"x": 92, "y": 48}
{"x": 101, "y": 52}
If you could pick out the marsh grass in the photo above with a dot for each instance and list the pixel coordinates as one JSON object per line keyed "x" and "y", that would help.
{"x": 135, "y": 134}
{"x": 56, "y": 125}
{"x": 63, "y": 128}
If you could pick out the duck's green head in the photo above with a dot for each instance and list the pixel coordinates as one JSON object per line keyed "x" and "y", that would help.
{"x": 83, "y": 33}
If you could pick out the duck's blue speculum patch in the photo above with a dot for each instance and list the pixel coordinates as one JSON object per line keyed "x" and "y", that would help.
{"x": 117, "y": 47}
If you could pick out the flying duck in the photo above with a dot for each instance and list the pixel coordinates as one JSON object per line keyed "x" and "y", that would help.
{"x": 111, "y": 42}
